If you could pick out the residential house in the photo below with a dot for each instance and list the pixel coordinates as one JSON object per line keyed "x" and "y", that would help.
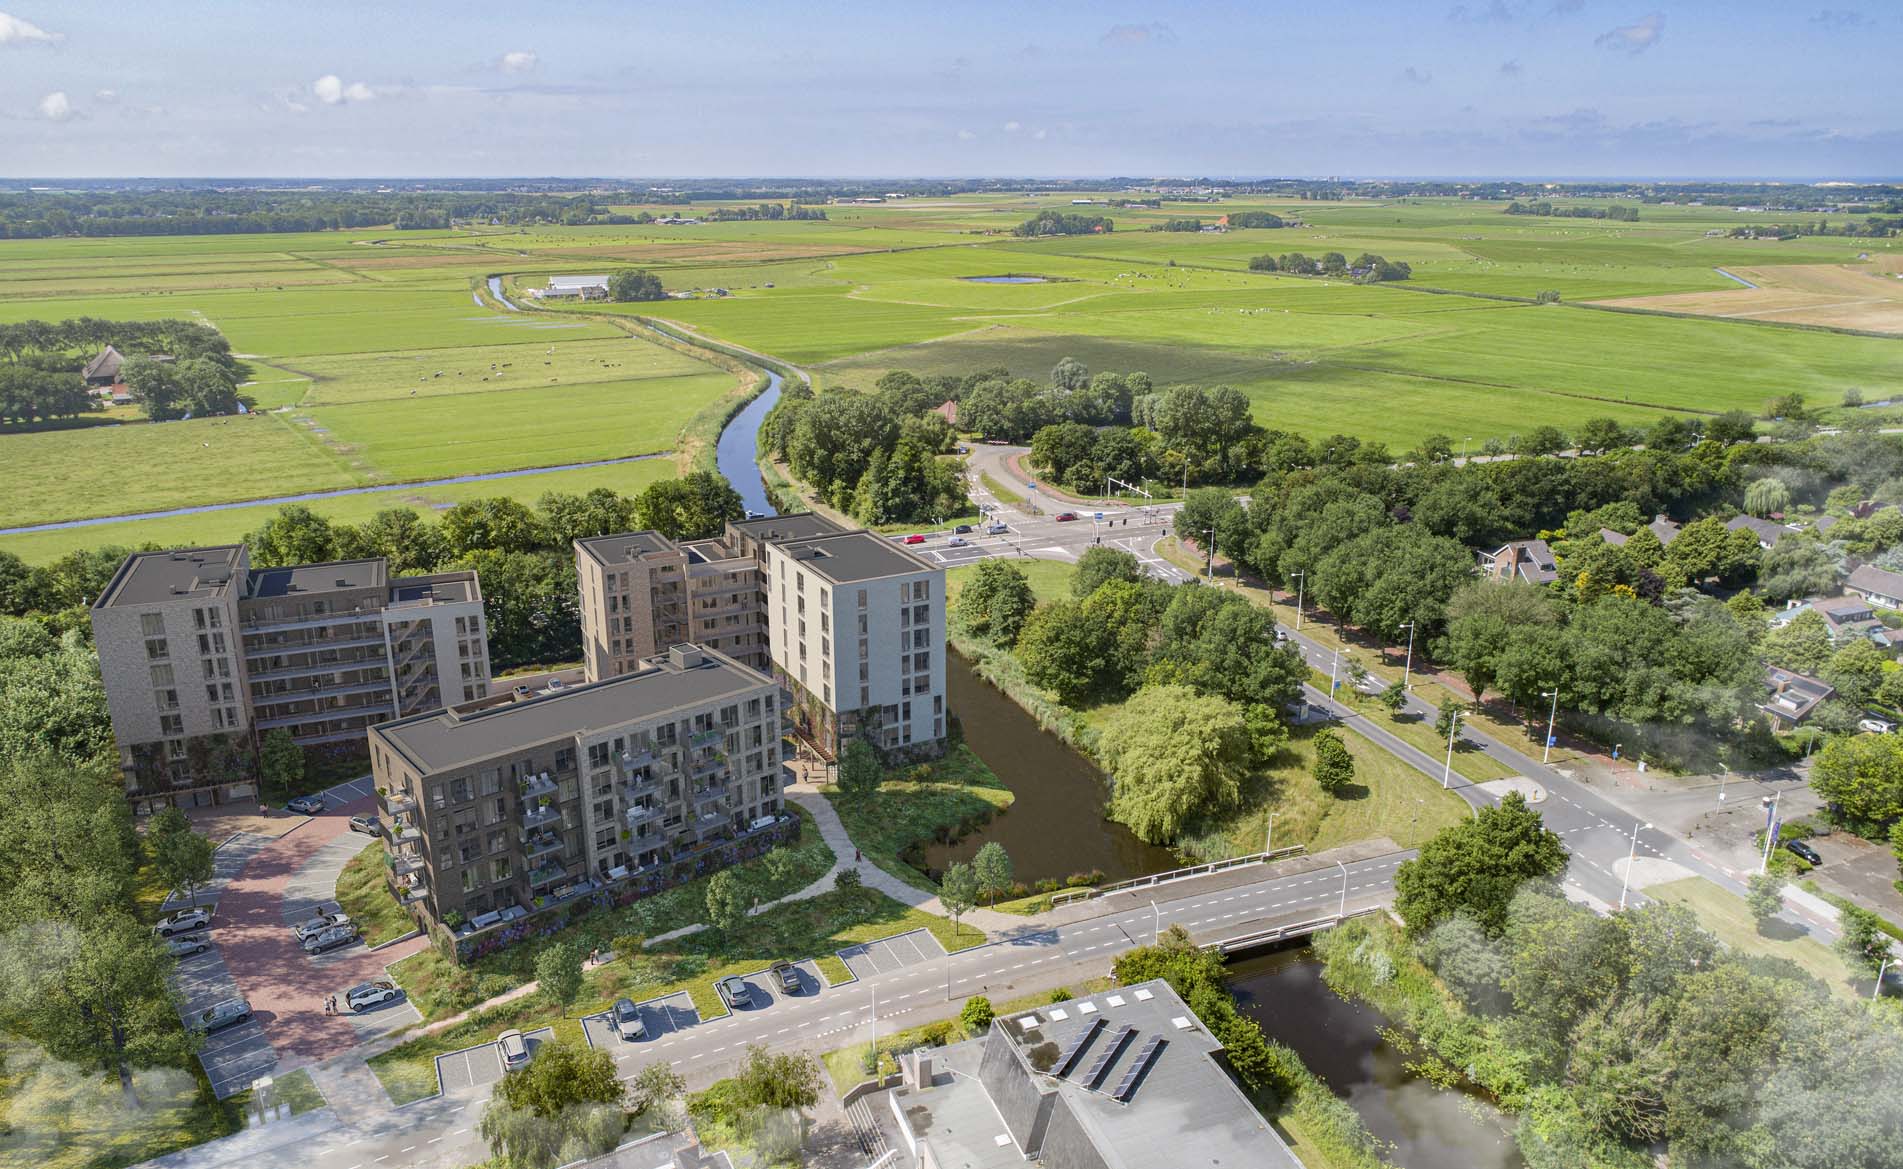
{"x": 1768, "y": 532}
{"x": 948, "y": 411}
{"x": 1848, "y": 618}
{"x": 1880, "y": 588}
{"x": 1528, "y": 560}
{"x": 573, "y": 287}
{"x": 1793, "y": 696}
{"x": 103, "y": 370}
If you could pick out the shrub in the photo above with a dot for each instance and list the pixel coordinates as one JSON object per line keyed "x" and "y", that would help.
{"x": 977, "y": 1014}
{"x": 848, "y": 879}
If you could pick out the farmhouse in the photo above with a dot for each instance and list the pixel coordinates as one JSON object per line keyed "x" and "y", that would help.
{"x": 1880, "y": 588}
{"x": 577, "y": 287}
{"x": 948, "y": 411}
{"x": 103, "y": 370}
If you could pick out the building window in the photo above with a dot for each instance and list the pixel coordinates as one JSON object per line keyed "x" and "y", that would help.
{"x": 171, "y": 724}
{"x": 161, "y": 675}
{"x": 155, "y": 649}
{"x": 152, "y": 624}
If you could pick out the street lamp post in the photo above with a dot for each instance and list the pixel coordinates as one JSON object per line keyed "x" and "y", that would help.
{"x": 1211, "y": 533}
{"x": 1447, "y": 773}
{"x": 1546, "y": 752}
{"x": 1407, "y": 671}
{"x": 1156, "y": 925}
{"x": 1878, "y": 988}
{"x": 1724, "y": 777}
{"x": 1301, "y": 582}
{"x": 1343, "y": 911}
{"x": 1770, "y": 829}
{"x": 1631, "y": 856}
{"x": 1268, "y": 841}
{"x": 1332, "y": 667}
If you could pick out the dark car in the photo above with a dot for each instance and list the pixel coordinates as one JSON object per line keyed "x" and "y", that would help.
{"x": 963, "y": 529}
{"x": 788, "y": 976}
{"x": 306, "y": 805}
{"x": 330, "y": 939}
{"x": 735, "y": 992}
{"x": 625, "y": 1017}
{"x": 1064, "y": 517}
{"x": 1805, "y": 851}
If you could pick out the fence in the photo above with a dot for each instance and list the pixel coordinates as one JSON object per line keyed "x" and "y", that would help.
{"x": 1155, "y": 879}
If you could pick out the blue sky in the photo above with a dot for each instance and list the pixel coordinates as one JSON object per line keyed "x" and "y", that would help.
{"x": 1535, "y": 88}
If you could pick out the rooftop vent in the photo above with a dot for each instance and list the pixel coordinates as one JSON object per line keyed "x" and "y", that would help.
{"x": 342, "y": 583}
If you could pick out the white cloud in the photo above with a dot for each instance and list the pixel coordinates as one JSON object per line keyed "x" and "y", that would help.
{"x": 105, "y": 96}
{"x": 1414, "y": 76}
{"x": 55, "y": 107}
{"x": 331, "y": 90}
{"x": 1012, "y": 127}
{"x": 1040, "y": 134}
{"x": 1156, "y": 32}
{"x": 518, "y": 61}
{"x": 1840, "y": 18}
{"x": 965, "y": 135}
{"x": 14, "y": 31}
{"x": 1511, "y": 68}
{"x": 1634, "y": 38}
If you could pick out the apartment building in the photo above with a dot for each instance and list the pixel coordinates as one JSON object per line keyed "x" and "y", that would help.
{"x": 857, "y": 627}
{"x": 641, "y": 592}
{"x": 202, "y": 654}
{"x": 514, "y": 805}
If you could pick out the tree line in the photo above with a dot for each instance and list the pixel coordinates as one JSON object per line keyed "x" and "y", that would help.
{"x": 40, "y": 376}
{"x": 772, "y": 212}
{"x": 874, "y": 456}
{"x": 1050, "y": 222}
{"x": 1367, "y": 268}
{"x": 1619, "y": 211}
{"x": 1875, "y": 227}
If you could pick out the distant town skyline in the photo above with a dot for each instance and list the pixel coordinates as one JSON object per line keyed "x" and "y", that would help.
{"x": 1482, "y": 88}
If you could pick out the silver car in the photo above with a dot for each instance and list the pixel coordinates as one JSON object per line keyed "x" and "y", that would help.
{"x": 220, "y": 1015}
{"x": 626, "y": 1018}
{"x": 330, "y": 939}
{"x": 183, "y": 922}
{"x": 365, "y": 995}
{"x": 186, "y": 946}
{"x": 319, "y": 923}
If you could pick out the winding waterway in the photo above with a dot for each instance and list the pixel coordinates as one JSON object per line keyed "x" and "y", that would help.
{"x": 737, "y": 453}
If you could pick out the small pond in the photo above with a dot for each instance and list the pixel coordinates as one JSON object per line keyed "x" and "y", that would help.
{"x": 1008, "y": 279}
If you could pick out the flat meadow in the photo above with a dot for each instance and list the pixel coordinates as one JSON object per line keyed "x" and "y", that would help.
{"x": 347, "y": 332}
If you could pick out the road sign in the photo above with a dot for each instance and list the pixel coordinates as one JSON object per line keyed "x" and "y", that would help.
{"x": 1099, "y": 516}
{"x": 1552, "y": 741}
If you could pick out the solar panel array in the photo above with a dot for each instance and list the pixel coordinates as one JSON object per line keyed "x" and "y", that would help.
{"x": 1127, "y": 1087}
{"x": 1075, "y": 1047}
{"x": 1101, "y": 1066}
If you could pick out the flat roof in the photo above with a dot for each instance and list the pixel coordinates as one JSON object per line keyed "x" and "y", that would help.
{"x": 442, "y": 586}
{"x": 797, "y": 526}
{"x": 328, "y": 577}
{"x": 146, "y": 578}
{"x": 444, "y": 739}
{"x": 847, "y": 557}
{"x": 623, "y": 546}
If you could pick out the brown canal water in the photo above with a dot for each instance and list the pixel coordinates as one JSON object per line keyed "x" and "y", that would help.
{"x": 1427, "y": 1126}
{"x": 1056, "y": 825}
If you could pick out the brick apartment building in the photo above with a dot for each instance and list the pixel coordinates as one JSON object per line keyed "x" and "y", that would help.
{"x": 506, "y": 807}
{"x": 202, "y": 654}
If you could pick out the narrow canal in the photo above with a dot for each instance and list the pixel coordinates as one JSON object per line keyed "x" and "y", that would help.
{"x": 737, "y": 452}
{"x": 1427, "y": 1126}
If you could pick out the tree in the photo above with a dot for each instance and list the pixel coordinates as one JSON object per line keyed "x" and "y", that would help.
{"x": 996, "y": 601}
{"x": 563, "y": 1106}
{"x": 654, "y": 1089}
{"x": 280, "y": 762}
{"x": 182, "y": 857}
{"x": 1801, "y": 644}
{"x": 1478, "y": 865}
{"x": 562, "y": 1075}
{"x": 1394, "y": 698}
{"x": 1861, "y": 941}
{"x": 600, "y": 512}
{"x": 529, "y": 605}
{"x": 992, "y": 867}
{"x": 1334, "y": 766}
{"x": 1797, "y": 567}
{"x": 1599, "y": 435}
{"x": 1099, "y": 565}
{"x": 1173, "y": 756}
{"x": 771, "y": 1093}
{"x": 558, "y": 968}
{"x": 860, "y": 772}
{"x": 1767, "y": 495}
{"x": 958, "y": 890}
{"x": 68, "y": 849}
{"x": 726, "y": 901}
{"x": 976, "y": 1015}
{"x": 1765, "y": 898}
{"x": 1448, "y": 716}
{"x": 295, "y": 535}
{"x": 1065, "y": 651}
{"x": 495, "y": 524}
{"x": 630, "y": 284}
{"x": 51, "y": 696}
{"x": 1856, "y": 670}
{"x": 693, "y": 507}
{"x": 1862, "y": 776}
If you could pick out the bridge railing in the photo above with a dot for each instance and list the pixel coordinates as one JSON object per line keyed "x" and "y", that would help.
{"x": 1155, "y": 879}
{"x": 1282, "y": 933}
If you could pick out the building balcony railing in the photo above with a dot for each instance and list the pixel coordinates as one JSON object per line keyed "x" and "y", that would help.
{"x": 639, "y": 814}
{"x": 411, "y": 888}
{"x": 403, "y": 832}
{"x": 702, "y": 827}
{"x": 540, "y": 815}
{"x": 536, "y": 786}
{"x": 262, "y": 648}
{"x": 397, "y": 803}
{"x": 539, "y": 844}
{"x": 355, "y": 663}
{"x": 709, "y": 794}
{"x": 332, "y": 718}
{"x": 707, "y": 738}
{"x": 317, "y": 621}
{"x": 702, "y": 768}
{"x": 548, "y": 874}
{"x": 403, "y": 863}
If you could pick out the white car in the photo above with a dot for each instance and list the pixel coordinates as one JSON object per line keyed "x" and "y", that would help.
{"x": 183, "y": 922}
{"x": 185, "y": 947}
{"x": 1876, "y": 725}
{"x": 956, "y": 542}
{"x": 514, "y": 1047}
{"x": 365, "y": 995}
{"x": 626, "y": 1019}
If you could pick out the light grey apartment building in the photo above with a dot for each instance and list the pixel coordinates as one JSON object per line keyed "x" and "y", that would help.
{"x": 202, "y": 654}
{"x": 511, "y": 806}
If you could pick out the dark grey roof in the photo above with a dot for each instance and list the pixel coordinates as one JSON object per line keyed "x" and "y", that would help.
{"x": 623, "y": 546}
{"x": 774, "y": 528}
{"x": 105, "y": 365}
{"x": 1768, "y": 531}
{"x": 149, "y": 577}
{"x": 306, "y": 579}
{"x": 1871, "y": 579}
{"x": 443, "y": 586}
{"x": 847, "y": 557}
{"x": 446, "y": 739}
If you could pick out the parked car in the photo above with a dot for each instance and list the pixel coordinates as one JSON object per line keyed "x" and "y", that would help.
{"x": 330, "y": 939}
{"x": 220, "y": 1015}
{"x": 306, "y": 805}
{"x": 956, "y": 542}
{"x": 183, "y": 922}
{"x": 1876, "y": 724}
{"x": 735, "y": 992}
{"x": 963, "y": 529}
{"x": 1805, "y": 851}
{"x": 188, "y": 945}
{"x": 367, "y": 825}
{"x": 788, "y": 976}
{"x": 998, "y": 528}
{"x": 514, "y": 1048}
{"x": 625, "y": 1018}
{"x": 915, "y": 538}
{"x": 365, "y": 995}
{"x": 318, "y": 924}
{"x": 1064, "y": 517}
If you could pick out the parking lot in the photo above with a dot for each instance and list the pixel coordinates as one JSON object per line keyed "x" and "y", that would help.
{"x": 235, "y": 1056}
{"x": 662, "y": 1016}
{"x": 889, "y": 954}
{"x": 481, "y": 1065}
{"x": 313, "y": 887}
{"x": 227, "y": 860}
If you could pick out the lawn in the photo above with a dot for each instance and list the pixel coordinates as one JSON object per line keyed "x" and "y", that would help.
{"x": 56, "y": 1116}
{"x": 1727, "y": 916}
{"x": 999, "y": 491}
{"x": 363, "y": 893}
{"x": 940, "y": 800}
{"x": 1050, "y": 579}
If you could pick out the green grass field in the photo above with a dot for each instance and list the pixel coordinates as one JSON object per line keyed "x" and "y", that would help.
{"x": 350, "y": 329}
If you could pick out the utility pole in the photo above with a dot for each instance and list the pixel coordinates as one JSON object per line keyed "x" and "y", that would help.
{"x": 1878, "y": 988}
{"x": 1343, "y": 911}
{"x": 1212, "y": 554}
{"x": 1268, "y": 842}
{"x": 1156, "y": 925}
{"x": 1447, "y": 773}
{"x": 1301, "y": 582}
{"x": 1770, "y": 803}
{"x": 1547, "y": 751}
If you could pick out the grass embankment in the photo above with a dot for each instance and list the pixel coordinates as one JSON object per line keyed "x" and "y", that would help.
{"x": 801, "y": 929}
{"x": 365, "y": 895}
{"x": 999, "y": 491}
{"x": 1727, "y": 916}
{"x": 937, "y": 801}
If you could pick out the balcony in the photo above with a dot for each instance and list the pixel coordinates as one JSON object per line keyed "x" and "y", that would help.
{"x": 317, "y": 621}
{"x": 411, "y": 888}
{"x": 404, "y": 832}
{"x": 547, "y": 874}
{"x": 536, "y": 786}
{"x": 702, "y": 768}
{"x": 709, "y": 794}
{"x": 540, "y": 815}
{"x": 711, "y": 738}
{"x": 703, "y": 827}
{"x": 640, "y": 814}
{"x": 540, "y": 844}
{"x": 396, "y": 803}
{"x": 403, "y": 863}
